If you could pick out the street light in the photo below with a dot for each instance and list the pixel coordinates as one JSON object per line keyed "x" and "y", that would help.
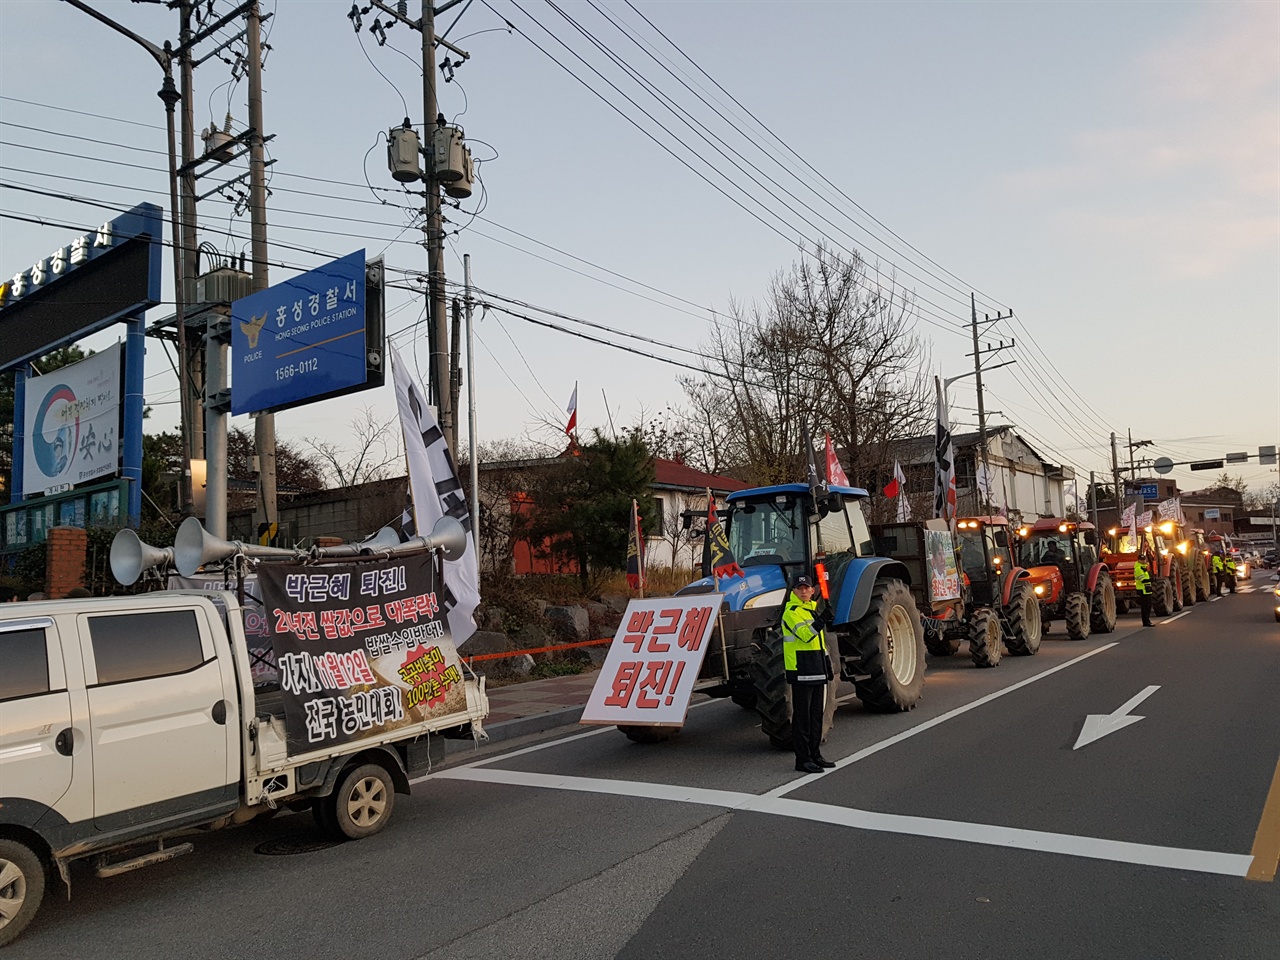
{"x": 169, "y": 94}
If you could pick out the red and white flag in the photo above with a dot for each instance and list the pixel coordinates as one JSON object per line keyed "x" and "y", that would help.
{"x": 898, "y": 484}
{"x": 835, "y": 472}
{"x": 572, "y": 411}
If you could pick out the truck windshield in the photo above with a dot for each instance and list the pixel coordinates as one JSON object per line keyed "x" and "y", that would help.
{"x": 972, "y": 556}
{"x": 767, "y": 532}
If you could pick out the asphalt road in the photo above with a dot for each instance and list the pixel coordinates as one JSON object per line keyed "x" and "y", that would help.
{"x": 969, "y": 827}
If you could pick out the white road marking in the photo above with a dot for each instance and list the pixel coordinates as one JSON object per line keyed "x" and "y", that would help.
{"x": 1176, "y": 616}
{"x": 1038, "y": 841}
{"x": 941, "y": 718}
{"x": 1245, "y": 589}
{"x": 1098, "y": 725}
{"x": 1215, "y": 597}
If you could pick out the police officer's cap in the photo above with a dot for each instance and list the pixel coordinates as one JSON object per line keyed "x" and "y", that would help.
{"x": 803, "y": 582}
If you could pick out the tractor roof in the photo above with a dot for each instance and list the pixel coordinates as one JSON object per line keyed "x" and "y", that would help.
{"x": 795, "y": 489}
{"x": 1053, "y": 523}
{"x": 996, "y": 521}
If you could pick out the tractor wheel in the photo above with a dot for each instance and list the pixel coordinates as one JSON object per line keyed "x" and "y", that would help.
{"x": 986, "y": 638}
{"x": 746, "y": 699}
{"x": 939, "y": 644}
{"x": 1122, "y": 605}
{"x": 769, "y": 676}
{"x": 890, "y": 644}
{"x": 1188, "y": 588}
{"x": 1162, "y": 597}
{"x": 1023, "y": 614}
{"x": 1202, "y": 586}
{"x": 1102, "y": 612}
{"x": 1175, "y": 582}
{"x": 645, "y": 733}
{"x": 1077, "y": 616}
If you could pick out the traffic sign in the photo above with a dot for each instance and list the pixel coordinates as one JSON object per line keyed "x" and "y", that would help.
{"x": 1149, "y": 491}
{"x": 1163, "y": 465}
{"x": 1267, "y": 455}
{"x": 1237, "y": 458}
{"x": 301, "y": 340}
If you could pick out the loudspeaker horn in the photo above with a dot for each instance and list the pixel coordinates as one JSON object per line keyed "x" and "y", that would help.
{"x": 383, "y": 540}
{"x": 194, "y": 546}
{"x": 448, "y": 536}
{"x": 130, "y": 557}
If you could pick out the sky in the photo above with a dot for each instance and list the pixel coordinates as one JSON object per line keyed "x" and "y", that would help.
{"x": 1109, "y": 172}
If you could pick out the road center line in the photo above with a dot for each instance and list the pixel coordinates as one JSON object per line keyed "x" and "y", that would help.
{"x": 1216, "y": 598}
{"x": 941, "y": 718}
{"x": 1176, "y": 616}
{"x": 1095, "y": 848}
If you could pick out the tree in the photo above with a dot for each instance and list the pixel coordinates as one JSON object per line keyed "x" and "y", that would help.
{"x": 377, "y": 448}
{"x": 295, "y": 472}
{"x": 62, "y": 357}
{"x": 582, "y": 502}
{"x": 1264, "y": 499}
{"x": 831, "y": 346}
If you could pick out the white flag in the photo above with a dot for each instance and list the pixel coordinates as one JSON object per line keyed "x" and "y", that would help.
{"x": 904, "y": 505}
{"x": 944, "y": 482}
{"x": 435, "y": 491}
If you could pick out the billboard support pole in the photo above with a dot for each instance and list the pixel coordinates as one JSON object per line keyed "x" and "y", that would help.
{"x": 131, "y": 439}
{"x": 18, "y": 460}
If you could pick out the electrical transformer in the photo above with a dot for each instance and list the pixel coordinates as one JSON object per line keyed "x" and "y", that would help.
{"x": 402, "y": 153}
{"x": 452, "y": 164}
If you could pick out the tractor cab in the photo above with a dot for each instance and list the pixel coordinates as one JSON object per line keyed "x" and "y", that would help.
{"x": 1059, "y": 554}
{"x": 986, "y": 557}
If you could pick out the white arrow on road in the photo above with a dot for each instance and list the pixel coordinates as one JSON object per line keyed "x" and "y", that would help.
{"x": 1097, "y": 725}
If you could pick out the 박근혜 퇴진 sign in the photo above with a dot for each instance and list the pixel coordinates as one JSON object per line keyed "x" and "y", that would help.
{"x": 653, "y": 662}
{"x": 301, "y": 339}
{"x": 72, "y": 427}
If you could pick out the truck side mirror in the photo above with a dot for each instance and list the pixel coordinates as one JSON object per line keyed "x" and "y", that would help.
{"x": 1001, "y": 538}
{"x": 1091, "y": 537}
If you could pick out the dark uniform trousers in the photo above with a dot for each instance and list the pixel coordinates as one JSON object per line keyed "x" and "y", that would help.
{"x": 1144, "y": 602}
{"x": 806, "y": 720}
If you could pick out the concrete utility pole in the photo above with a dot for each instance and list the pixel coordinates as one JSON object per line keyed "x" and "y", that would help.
{"x": 471, "y": 414}
{"x": 1115, "y": 474}
{"x": 187, "y": 199}
{"x": 978, "y": 354}
{"x": 439, "y": 389}
{"x": 264, "y": 430}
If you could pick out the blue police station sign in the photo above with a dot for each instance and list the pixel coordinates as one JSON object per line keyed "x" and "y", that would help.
{"x": 1149, "y": 491}
{"x": 300, "y": 340}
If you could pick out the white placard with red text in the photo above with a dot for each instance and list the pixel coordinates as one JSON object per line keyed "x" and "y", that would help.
{"x": 654, "y": 660}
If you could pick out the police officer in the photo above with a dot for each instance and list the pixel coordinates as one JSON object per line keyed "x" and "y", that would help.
{"x": 804, "y": 654}
{"x": 1217, "y": 569}
{"x": 1231, "y": 572}
{"x": 1142, "y": 583}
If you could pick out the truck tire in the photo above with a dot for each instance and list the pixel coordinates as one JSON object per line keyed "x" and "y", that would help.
{"x": 645, "y": 733}
{"x": 890, "y": 644}
{"x": 1023, "y": 616}
{"x": 1161, "y": 597}
{"x": 21, "y": 888}
{"x": 1077, "y": 616}
{"x": 769, "y": 676}
{"x": 360, "y": 804}
{"x": 986, "y": 638}
{"x": 1102, "y": 608}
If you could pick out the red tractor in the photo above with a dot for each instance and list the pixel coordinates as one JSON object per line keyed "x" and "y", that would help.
{"x": 1120, "y": 552}
{"x": 994, "y": 579}
{"x": 1061, "y": 557}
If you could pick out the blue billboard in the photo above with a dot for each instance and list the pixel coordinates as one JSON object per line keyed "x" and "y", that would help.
{"x": 300, "y": 340}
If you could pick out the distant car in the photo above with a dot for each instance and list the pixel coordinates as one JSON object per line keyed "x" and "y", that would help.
{"x": 1270, "y": 558}
{"x": 1244, "y": 569}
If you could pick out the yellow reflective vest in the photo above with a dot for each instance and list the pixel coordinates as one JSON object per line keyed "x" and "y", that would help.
{"x": 804, "y": 646}
{"x": 1217, "y": 563}
{"x": 1231, "y": 565}
{"x": 1141, "y": 577}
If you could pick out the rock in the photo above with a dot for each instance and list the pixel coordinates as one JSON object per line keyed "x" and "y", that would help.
{"x": 571, "y": 624}
{"x": 520, "y": 666}
{"x": 600, "y": 611}
{"x": 485, "y": 641}
{"x": 597, "y": 654}
{"x": 616, "y": 602}
{"x": 540, "y": 606}
{"x": 494, "y": 617}
{"x": 530, "y": 635}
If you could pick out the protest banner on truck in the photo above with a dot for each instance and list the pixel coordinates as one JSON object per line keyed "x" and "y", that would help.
{"x": 362, "y": 648}
{"x": 653, "y": 662}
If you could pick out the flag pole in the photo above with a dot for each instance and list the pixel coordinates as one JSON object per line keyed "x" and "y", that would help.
{"x": 635, "y": 513}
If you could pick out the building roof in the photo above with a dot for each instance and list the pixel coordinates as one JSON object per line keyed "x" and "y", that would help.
{"x": 918, "y": 450}
{"x": 673, "y": 474}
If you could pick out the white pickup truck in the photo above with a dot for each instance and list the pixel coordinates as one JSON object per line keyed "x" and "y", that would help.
{"x": 126, "y": 722}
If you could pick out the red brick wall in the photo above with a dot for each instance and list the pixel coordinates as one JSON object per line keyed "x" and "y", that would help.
{"x": 64, "y": 561}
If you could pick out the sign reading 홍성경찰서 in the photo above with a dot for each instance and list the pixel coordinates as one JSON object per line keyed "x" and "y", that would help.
{"x": 300, "y": 339}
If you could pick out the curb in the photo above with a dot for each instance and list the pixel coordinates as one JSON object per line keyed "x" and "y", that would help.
{"x": 520, "y": 727}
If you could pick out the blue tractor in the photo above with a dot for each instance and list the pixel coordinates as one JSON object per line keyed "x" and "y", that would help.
{"x": 777, "y": 534}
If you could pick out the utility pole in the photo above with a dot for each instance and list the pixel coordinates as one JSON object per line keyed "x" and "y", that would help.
{"x": 978, "y": 353}
{"x": 264, "y": 430}
{"x": 471, "y": 415}
{"x": 187, "y": 199}
{"x": 1115, "y": 474}
{"x": 439, "y": 390}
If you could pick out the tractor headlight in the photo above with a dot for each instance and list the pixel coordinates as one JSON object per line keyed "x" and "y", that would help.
{"x": 1039, "y": 589}
{"x": 773, "y": 598}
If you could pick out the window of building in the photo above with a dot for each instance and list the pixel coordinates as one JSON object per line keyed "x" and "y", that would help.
{"x": 137, "y": 646}
{"x": 24, "y": 664}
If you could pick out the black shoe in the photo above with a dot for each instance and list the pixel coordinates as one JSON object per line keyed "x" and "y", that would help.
{"x": 823, "y": 762}
{"x": 808, "y": 767}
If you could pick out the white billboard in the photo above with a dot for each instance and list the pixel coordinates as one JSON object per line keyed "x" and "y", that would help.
{"x": 72, "y": 424}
